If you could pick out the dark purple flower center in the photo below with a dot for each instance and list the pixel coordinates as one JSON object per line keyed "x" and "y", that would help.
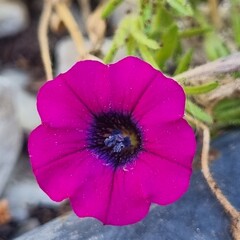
{"x": 115, "y": 137}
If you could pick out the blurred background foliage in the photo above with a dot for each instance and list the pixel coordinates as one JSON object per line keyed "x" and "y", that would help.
{"x": 172, "y": 35}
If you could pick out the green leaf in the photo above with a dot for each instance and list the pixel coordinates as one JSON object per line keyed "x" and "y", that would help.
{"x": 235, "y": 20}
{"x": 181, "y": 6}
{"x": 161, "y": 21}
{"x": 225, "y": 104}
{"x": 110, "y": 54}
{"x": 110, "y": 7}
{"x": 192, "y": 32}
{"x": 131, "y": 46}
{"x": 215, "y": 47}
{"x": 119, "y": 39}
{"x": 198, "y": 112}
{"x": 169, "y": 45}
{"x": 140, "y": 37}
{"x": 146, "y": 14}
{"x": 184, "y": 62}
{"x": 122, "y": 32}
{"x": 227, "y": 113}
{"x": 204, "y": 88}
{"x": 147, "y": 55}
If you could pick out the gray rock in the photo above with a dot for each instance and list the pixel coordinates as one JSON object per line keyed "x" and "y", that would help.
{"x": 196, "y": 216}
{"x": 13, "y": 17}
{"x": 10, "y": 135}
{"x": 25, "y": 103}
{"x": 22, "y": 191}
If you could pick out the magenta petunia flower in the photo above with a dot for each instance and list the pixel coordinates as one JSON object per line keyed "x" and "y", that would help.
{"x": 113, "y": 140}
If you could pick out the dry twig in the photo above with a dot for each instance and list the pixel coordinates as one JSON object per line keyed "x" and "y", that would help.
{"x": 229, "y": 209}
{"x": 96, "y": 27}
{"x": 213, "y": 6}
{"x": 43, "y": 38}
{"x": 69, "y": 21}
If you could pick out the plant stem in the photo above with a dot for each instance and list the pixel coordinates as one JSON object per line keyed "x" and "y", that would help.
{"x": 43, "y": 39}
{"x": 67, "y": 18}
{"x": 213, "y": 6}
{"x": 228, "y": 207}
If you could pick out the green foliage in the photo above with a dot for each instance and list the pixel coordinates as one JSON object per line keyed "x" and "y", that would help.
{"x": 181, "y": 6}
{"x": 235, "y": 74}
{"x": 184, "y": 62}
{"x": 198, "y": 112}
{"x": 235, "y": 19}
{"x": 166, "y": 34}
{"x": 204, "y": 88}
{"x": 161, "y": 20}
{"x": 110, "y": 7}
{"x": 227, "y": 112}
{"x": 140, "y": 37}
{"x": 193, "y": 32}
{"x": 215, "y": 47}
{"x": 168, "y": 43}
{"x": 147, "y": 55}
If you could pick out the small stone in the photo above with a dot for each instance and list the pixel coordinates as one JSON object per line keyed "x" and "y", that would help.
{"x": 23, "y": 192}
{"x": 27, "y": 225}
{"x": 10, "y": 135}
{"x": 67, "y": 55}
{"x": 13, "y": 18}
{"x": 24, "y": 102}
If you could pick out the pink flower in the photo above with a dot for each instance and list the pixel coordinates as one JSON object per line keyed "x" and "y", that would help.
{"x": 113, "y": 140}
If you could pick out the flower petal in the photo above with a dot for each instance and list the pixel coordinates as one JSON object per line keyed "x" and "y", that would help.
{"x": 163, "y": 100}
{"x": 174, "y": 141}
{"x": 47, "y": 145}
{"x": 130, "y": 79}
{"x": 113, "y": 197}
{"x": 58, "y": 107}
{"x": 89, "y": 81}
{"x": 56, "y": 156}
{"x": 163, "y": 181}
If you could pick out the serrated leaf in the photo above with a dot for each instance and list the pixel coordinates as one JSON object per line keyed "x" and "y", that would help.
{"x": 181, "y": 6}
{"x": 169, "y": 43}
{"x": 198, "y": 112}
{"x": 184, "y": 62}
{"x": 200, "y": 89}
